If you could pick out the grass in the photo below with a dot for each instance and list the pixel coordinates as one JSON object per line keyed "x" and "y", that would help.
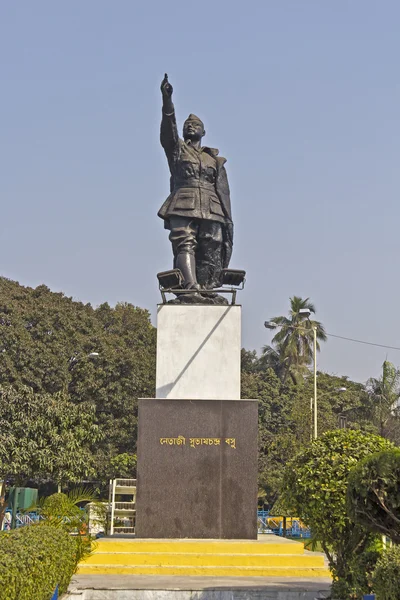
{"x": 309, "y": 544}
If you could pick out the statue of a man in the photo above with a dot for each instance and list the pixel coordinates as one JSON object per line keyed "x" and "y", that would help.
{"x": 198, "y": 209}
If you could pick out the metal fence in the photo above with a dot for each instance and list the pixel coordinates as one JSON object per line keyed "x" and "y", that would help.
{"x": 21, "y": 519}
{"x": 281, "y": 525}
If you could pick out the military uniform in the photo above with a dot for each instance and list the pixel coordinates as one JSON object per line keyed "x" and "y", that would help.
{"x": 198, "y": 210}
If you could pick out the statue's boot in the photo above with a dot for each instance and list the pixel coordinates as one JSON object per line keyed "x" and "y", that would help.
{"x": 187, "y": 264}
{"x": 209, "y": 274}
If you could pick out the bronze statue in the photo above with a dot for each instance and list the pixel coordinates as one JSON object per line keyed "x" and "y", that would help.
{"x": 198, "y": 210}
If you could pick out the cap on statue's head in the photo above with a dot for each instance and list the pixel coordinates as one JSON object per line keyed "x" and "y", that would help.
{"x": 195, "y": 119}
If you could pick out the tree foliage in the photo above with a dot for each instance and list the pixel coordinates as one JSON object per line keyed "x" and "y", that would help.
{"x": 373, "y": 494}
{"x": 47, "y": 341}
{"x": 292, "y": 350}
{"x": 315, "y": 487}
{"x": 386, "y": 576}
{"x": 123, "y": 465}
{"x": 285, "y": 416}
{"x": 45, "y": 436}
{"x": 384, "y": 394}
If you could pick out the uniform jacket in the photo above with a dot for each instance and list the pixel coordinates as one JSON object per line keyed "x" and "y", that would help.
{"x": 199, "y": 184}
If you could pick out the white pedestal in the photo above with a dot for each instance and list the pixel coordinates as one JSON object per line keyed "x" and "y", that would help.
{"x": 198, "y": 352}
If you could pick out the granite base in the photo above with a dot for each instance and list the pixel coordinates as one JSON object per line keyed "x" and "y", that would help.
{"x": 197, "y": 469}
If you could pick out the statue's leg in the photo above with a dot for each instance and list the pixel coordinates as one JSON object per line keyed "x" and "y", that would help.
{"x": 209, "y": 254}
{"x": 184, "y": 245}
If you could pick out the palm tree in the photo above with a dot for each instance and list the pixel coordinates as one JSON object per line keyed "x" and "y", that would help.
{"x": 385, "y": 393}
{"x": 293, "y": 344}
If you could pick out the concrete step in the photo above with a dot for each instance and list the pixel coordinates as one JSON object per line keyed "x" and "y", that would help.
{"x": 209, "y": 571}
{"x": 269, "y": 545}
{"x": 268, "y": 556}
{"x": 205, "y": 559}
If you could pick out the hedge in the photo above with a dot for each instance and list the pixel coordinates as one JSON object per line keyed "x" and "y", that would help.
{"x": 373, "y": 493}
{"x": 386, "y": 577}
{"x": 33, "y": 560}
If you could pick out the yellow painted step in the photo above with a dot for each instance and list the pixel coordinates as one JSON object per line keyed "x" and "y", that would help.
{"x": 205, "y": 571}
{"x": 202, "y": 546}
{"x": 204, "y": 559}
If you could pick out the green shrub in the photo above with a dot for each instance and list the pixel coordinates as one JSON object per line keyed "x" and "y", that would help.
{"x": 386, "y": 577}
{"x": 314, "y": 489}
{"x": 373, "y": 493}
{"x": 33, "y": 560}
{"x": 62, "y": 511}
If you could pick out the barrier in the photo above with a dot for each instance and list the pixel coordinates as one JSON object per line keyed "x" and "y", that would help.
{"x": 276, "y": 525}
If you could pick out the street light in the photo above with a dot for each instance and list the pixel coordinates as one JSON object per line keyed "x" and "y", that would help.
{"x": 342, "y": 418}
{"x": 75, "y": 359}
{"x": 306, "y": 312}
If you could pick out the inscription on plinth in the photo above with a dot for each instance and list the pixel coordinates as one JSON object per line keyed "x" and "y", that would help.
{"x": 193, "y": 442}
{"x": 197, "y": 469}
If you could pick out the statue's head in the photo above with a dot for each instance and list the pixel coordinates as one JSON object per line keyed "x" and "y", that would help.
{"x": 193, "y": 129}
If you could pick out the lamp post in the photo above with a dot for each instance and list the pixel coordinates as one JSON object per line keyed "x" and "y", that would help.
{"x": 306, "y": 312}
{"x": 315, "y": 383}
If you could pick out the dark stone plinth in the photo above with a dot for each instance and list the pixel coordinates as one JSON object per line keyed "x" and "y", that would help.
{"x": 197, "y": 469}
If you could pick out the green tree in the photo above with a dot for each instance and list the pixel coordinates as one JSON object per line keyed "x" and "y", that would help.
{"x": 315, "y": 487}
{"x": 123, "y": 465}
{"x": 339, "y": 396}
{"x": 44, "y": 436}
{"x": 386, "y": 575}
{"x": 273, "y": 428}
{"x": 47, "y": 341}
{"x": 285, "y": 415}
{"x": 292, "y": 347}
{"x": 384, "y": 394}
{"x": 373, "y": 493}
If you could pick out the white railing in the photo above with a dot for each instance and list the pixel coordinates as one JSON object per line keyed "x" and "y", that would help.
{"x": 20, "y": 521}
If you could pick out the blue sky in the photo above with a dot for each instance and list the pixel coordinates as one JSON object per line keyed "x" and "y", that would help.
{"x": 303, "y": 99}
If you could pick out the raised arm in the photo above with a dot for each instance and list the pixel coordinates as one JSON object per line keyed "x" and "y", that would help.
{"x": 169, "y": 132}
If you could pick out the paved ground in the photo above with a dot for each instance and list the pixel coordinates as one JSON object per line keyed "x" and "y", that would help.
{"x": 158, "y": 582}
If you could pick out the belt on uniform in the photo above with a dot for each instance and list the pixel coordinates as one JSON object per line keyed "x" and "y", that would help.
{"x": 205, "y": 185}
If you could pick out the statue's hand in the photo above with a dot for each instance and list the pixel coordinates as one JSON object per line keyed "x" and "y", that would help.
{"x": 166, "y": 87}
